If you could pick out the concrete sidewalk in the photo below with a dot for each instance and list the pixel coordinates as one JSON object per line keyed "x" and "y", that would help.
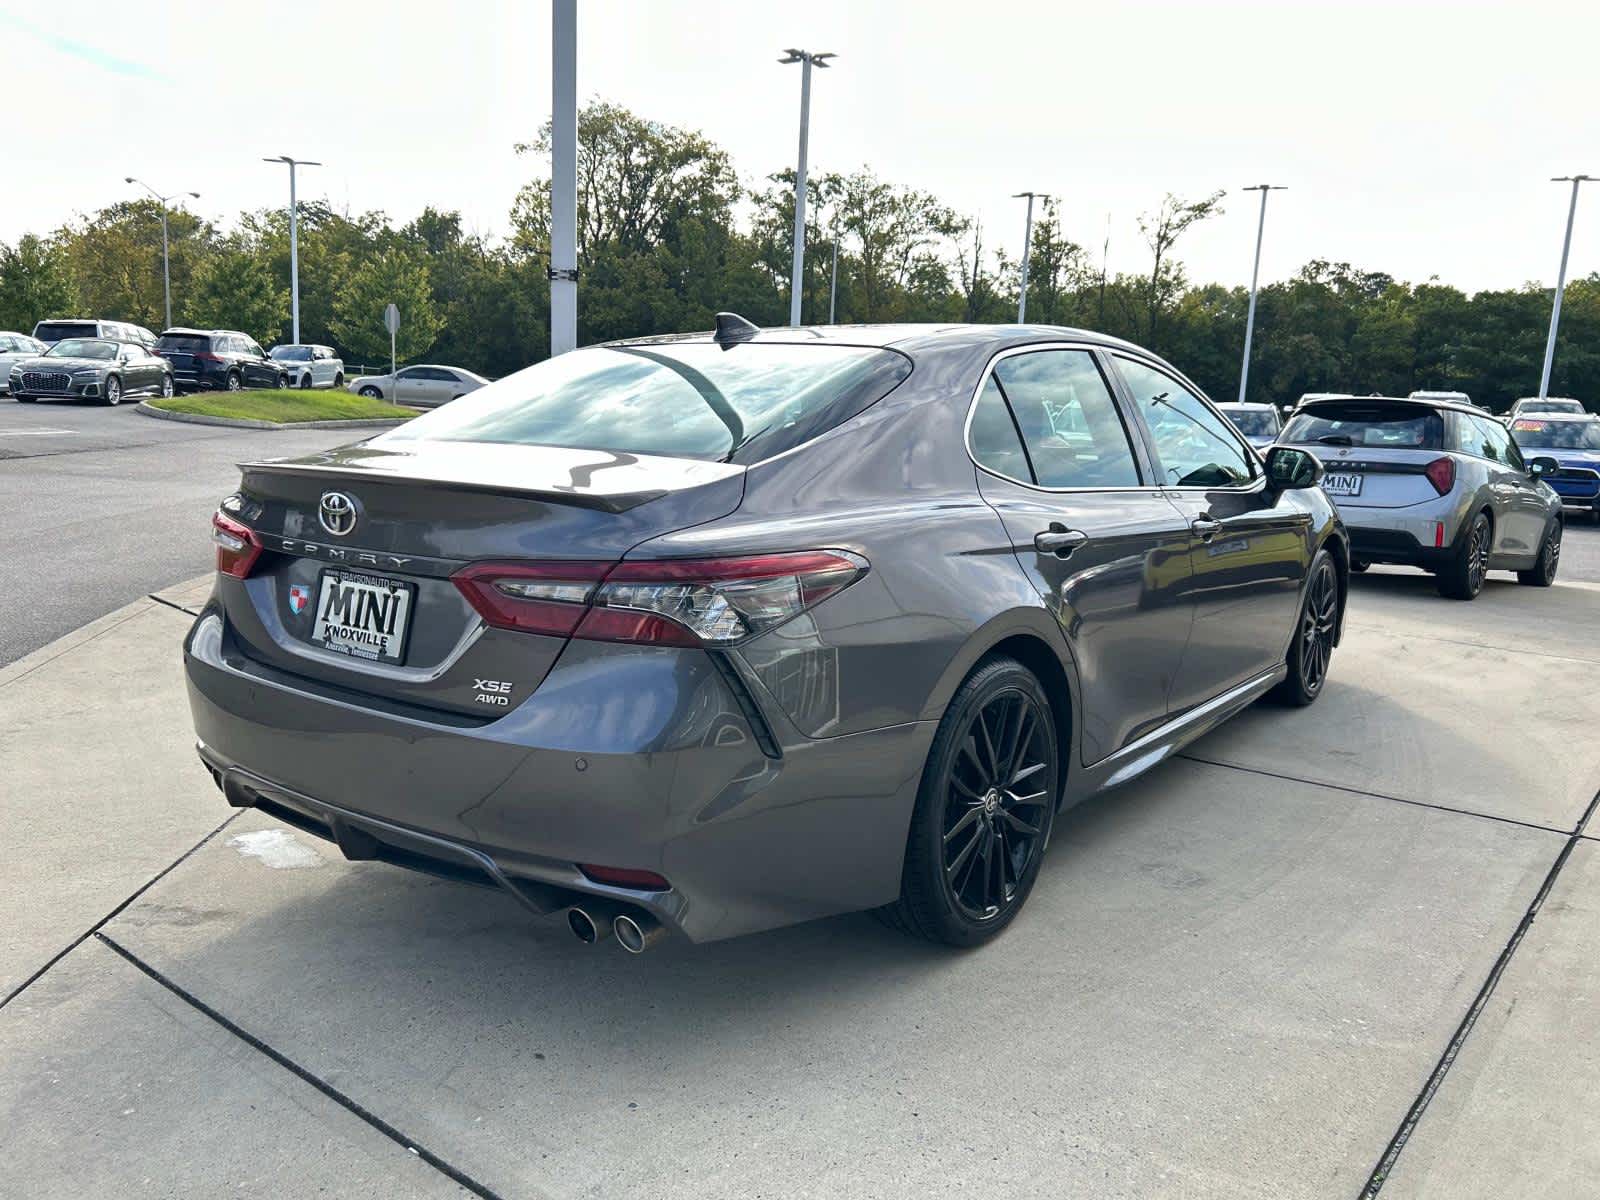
{"x": 1236, "y": 978}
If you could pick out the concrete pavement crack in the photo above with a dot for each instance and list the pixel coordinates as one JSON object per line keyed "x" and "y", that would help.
{"x": 411, "y": 1145}
{"x": 1430, "y": 1088}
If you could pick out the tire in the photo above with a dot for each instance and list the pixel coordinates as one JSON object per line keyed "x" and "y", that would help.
{"x": 1462, "y": 577}
{"x": 371, "y": 393}
{"x": 111, "y": 396}
{"x": 338, "y": 380}
{"x": 283, "y": 383}
{"x": 167, "y": 389}
{"x": 998, "y": 726}
{"x": 305, "y": 383}
{"x": 1311, "y": 650}
{"x": 1545, "y": 566}
{"x": 233, "y": 383}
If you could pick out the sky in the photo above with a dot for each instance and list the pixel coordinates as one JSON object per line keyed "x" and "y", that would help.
{"x": 1414, "y": 138}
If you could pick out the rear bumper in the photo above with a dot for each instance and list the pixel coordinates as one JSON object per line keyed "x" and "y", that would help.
{"x": 640, "y": 760}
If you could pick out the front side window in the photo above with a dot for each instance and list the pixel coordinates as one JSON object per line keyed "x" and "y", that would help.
{"x": 683, "y": 399}
{"x": 1498, "y": 440}
{"x": 1197, "y": 446}
{"x": 1070, "y": 427}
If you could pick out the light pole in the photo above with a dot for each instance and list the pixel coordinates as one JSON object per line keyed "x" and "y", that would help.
{"x": 166, "y": 268}
{"x": 294, "y": 238}
{"x": 1255, "y": 272}
{"x": 564, "y": 177}
{"x": 1561, "y": 280}
{"x": 833, "y": 277}
{"x": 807, "y": 60}
{"x": 1027, "y": 248}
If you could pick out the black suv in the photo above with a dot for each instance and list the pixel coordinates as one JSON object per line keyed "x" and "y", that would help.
{"x": 218, "y": 360}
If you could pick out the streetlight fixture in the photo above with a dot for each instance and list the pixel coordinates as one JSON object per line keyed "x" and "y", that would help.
{"x": 1255, "y": 273}
{"x": 166, "y": 268}
{"x": 294, "y": 237}
{"x": 1027, "y": 249}
{"x": 807, "y": 60}
{"x": 1561, "y": 280}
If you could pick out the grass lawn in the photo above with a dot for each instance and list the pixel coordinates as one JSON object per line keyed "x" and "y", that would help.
{"x": 284, "y": 406}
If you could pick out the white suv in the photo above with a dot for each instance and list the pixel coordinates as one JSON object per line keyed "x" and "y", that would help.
{"x": 310, "y": 366}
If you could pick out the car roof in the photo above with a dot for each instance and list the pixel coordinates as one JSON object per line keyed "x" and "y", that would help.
{"x": 204, "y": 332}
{"x": 1461, "y": 406}
{"x": 910, "y": 337}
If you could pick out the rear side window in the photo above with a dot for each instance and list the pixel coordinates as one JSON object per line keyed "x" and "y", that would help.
{"x": 184, "y": 343}
{"x": 993, "y": 436}
{"x": 1367, "y": 423}
{"x": 682, "y": 399}
{"x": 1069, "y": 421}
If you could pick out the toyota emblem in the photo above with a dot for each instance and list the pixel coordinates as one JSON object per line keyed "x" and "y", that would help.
{"x": 337, "y": 513}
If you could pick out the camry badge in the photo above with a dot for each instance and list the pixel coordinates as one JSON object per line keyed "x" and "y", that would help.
{"x": 299, "y": 597}
{"x": 337, "y": 513}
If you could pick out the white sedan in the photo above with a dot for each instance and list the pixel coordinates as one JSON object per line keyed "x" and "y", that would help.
{"x": 14, "y": 347}
{"x": 422, "y": 386}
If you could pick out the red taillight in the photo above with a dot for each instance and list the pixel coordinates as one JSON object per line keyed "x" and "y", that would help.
{"x": 207, "y": 356}
{"x": 237, "y": 547}
{"x": 626, "y": 877}
{"x": 674, "y": 602}
{"x": 535, "y": 597}
{"x": 1441, "y": 472}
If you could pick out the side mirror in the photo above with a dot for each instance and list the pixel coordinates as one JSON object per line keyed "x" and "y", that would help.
{"x": 1289, "y": 468}
{"x": 1544, "y": 465}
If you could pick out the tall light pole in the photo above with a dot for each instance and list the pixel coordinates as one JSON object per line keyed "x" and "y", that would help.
{"x": 1561, "y": 280}
{"x": 564, "y": 177}
{"x": 166, "y": 268}
{"x": 1255, "y": 273}
{"x": 833, "y": 277}
{"x": 807, "y": 60}
{"x": 1027, "y": 249}
{"x": 294, "y": 237}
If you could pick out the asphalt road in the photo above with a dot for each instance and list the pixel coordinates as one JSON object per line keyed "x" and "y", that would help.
{"x": 99, "y": 506}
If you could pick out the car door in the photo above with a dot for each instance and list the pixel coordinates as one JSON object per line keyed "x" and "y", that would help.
{"x": 260, "y": 371}
{"x": 322, "y": 369}
{"x": 410, "y": 387}
{"x": 1520, "y": 511}
{"x": 1108, "y": 553}
{"x": 1250, "y": 546}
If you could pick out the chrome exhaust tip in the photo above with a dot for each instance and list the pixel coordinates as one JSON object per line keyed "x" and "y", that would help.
{"x": 637, "y": 932}
{"x": 588, "y": 927}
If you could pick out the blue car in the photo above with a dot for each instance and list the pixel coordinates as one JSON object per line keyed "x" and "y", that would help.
{"x": 1574, "y": 442}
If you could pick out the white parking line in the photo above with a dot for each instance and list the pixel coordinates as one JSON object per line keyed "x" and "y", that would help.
{"x": 34, "y": 432}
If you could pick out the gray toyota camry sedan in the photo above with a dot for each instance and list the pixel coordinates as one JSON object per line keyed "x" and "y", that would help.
{"x": 714, "y": 633}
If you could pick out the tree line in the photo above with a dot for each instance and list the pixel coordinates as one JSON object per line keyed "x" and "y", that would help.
{"x": 669, "y": 234}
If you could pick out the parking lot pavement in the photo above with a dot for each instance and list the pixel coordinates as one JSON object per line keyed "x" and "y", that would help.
{"x": 1231, "y": 981}
{"x": 1487, "y": 707}
{"x": 112, "y": 1086}
{"x": 1527, "y": 1076}
{"x": 100, "y": 505}
{"x": 101, "y": 786}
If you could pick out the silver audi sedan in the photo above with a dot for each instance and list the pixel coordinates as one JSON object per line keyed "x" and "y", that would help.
{"x": 1436, "y": 484}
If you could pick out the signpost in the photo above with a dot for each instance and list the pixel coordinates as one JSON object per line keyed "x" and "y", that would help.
{"x": 391, "y": 322}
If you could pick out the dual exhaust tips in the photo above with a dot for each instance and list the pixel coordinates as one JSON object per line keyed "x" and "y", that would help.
{"x": 635, "y": 929}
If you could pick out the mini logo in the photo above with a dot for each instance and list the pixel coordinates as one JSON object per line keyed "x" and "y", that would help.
{"x": 299, "y": 597}
{"x": 337, "y": 513}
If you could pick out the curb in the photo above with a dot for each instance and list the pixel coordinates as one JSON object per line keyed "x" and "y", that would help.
{"x": 149, "y": 410}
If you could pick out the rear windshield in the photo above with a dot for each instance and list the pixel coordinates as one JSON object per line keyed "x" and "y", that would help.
{"x": 1556, "y": 435}
{"x": 54, "y": 331}
{"x": 682, "y": 399}
{"x": 1364, "y": 423}
{"x": 292, "y": 353}
{"x": 1253, "y": 422}
{"x": 1560, "y": 406}
{"x": 186, "y": 343}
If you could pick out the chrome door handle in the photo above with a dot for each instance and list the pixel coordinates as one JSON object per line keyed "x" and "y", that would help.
{"x": 1059, "y": 540}
{"x": 1205, "y": 528}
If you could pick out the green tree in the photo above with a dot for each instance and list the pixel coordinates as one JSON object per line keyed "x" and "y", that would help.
{"x": 391, "y": 276}
{"x": 234, "y": 288}
{"x": 35, "y": 283}
{"x": 115, "y": 258}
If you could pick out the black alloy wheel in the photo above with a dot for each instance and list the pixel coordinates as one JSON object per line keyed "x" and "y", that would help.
{"x": 984, "y": 810}
{"x": 1543, "y": 573}
{"x": 1311, "y": 651}
{"x": 1462, "y": 578}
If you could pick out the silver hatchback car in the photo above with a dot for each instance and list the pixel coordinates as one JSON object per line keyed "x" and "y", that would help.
{"x": 1434, "y": 484}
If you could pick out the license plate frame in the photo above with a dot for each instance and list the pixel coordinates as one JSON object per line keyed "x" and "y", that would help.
{"x": 379, "y": 633}
{"x": 1343, "y": 483}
